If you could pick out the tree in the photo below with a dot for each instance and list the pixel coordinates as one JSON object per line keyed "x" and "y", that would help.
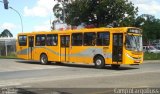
{"x": 99, "y": 12}
{"x": 150, "y": 26}
{"x": 6, "y": 33}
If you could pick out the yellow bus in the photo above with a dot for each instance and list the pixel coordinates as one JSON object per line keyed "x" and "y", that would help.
{"x": 98, "y": 46}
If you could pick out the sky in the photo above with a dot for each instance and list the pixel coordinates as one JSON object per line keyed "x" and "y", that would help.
{"x": 37, "y": 14}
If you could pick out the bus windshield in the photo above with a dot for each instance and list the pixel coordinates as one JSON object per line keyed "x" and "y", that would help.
{"x": 134, "y": 43}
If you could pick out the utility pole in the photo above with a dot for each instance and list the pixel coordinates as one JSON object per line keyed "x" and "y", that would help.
{"x": 19, "y": 17}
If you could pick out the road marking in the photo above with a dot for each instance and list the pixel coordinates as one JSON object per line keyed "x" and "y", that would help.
{"x": 24, "y": 86}
{"x": 3, "y": 84}
{"x": 143, "y": 86}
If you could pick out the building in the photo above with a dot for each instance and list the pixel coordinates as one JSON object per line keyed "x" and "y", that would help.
{"x": 7, "y": 46}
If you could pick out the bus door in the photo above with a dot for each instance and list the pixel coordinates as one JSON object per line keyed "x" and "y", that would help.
{"x": 31, "y": 46}
{"x": 117, "y": 47}
{"x": 64, "y": 48}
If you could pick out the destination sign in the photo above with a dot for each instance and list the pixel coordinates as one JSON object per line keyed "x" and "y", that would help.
{"x": 133, "y": 30}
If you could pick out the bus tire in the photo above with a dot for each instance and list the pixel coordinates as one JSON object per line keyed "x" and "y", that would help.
{"x": 44, "y": 59}
{"x": 99, "y": 62}
{"x": 114, "y": 66}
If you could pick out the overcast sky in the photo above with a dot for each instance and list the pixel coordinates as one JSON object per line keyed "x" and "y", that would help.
{"x": 36, "y": 14}
{"x": 148, "y": 7}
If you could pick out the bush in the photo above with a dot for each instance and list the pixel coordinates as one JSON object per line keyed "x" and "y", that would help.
{"x": 151, "y": 56}
{"x": 10, "y": 56}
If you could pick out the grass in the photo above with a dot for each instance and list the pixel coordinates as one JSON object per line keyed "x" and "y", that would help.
{"x": 151, "y": 56}
{"x": 10, "y": 56}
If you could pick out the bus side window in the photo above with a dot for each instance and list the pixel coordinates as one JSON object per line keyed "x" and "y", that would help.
{"x": 103, "y": 38}
{"x": 76, "y": 39}
{"x": 22, "y": 39}
{"x": 89, "y": 39}
{"x": 52, "y": 40}
{"x": 40, "y": 40}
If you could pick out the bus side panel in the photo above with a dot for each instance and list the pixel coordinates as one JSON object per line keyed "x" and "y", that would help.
{"x": 22, "y": 51}
{"x": 108, "y": 52}
{"x": 52, "y": 53}
{"x": 81, "y": 54}
{"x": 38, "y": 50}
{"x": 86, "y": 54}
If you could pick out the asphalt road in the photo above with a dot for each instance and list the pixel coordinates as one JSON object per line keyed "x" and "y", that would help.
{"x": 60, "y": 79}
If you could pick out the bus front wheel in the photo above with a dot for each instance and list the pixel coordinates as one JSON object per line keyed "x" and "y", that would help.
{"x": 44, "y": 59}
{"x": 99, "y": 62}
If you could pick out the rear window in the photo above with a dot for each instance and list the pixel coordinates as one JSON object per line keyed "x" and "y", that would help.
{"x": 22, "y": 39}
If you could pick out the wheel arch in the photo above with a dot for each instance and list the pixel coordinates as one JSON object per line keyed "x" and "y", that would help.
{"x": 98, "y": 55}
{"x": 48, "y": 62}
{"x": 42, "y": 54}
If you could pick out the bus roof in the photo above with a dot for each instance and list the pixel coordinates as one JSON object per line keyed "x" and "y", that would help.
{"x": 117, "y": 29}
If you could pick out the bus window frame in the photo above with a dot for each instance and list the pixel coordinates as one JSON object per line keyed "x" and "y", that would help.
{"x": 63, "y": 41}
{"x": 81, "y": 39}
{"x": 92, "y": 41}
{"x": 25, "y": 40}
{"x": 108, "y": 38}
{"x": 55, "y": 35}
{"x": 36, "y": 39}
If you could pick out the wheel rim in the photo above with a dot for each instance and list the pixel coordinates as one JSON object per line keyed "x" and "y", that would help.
{"x": 98, "y": 62}
{"x": 43, "y": 59}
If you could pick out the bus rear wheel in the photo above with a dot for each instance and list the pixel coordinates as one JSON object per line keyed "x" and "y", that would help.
{"x": 44, "y": 59}
{"x": 99, "y": 62}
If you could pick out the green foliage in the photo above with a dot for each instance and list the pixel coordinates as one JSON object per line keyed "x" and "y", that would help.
{"x": 10, "y": 56}
{"x": 103, "y": 12}
{"x": 150, "y": 26}
{"x": 98, "y": 12}
{"x": 151, "y": 56}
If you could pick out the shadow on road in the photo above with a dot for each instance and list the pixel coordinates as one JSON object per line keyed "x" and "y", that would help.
{"x": 108, "y": 67}
{"x": 65, "y": 91}
{"x": 122, "y": 68}
{"x": 28, "y": 62}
